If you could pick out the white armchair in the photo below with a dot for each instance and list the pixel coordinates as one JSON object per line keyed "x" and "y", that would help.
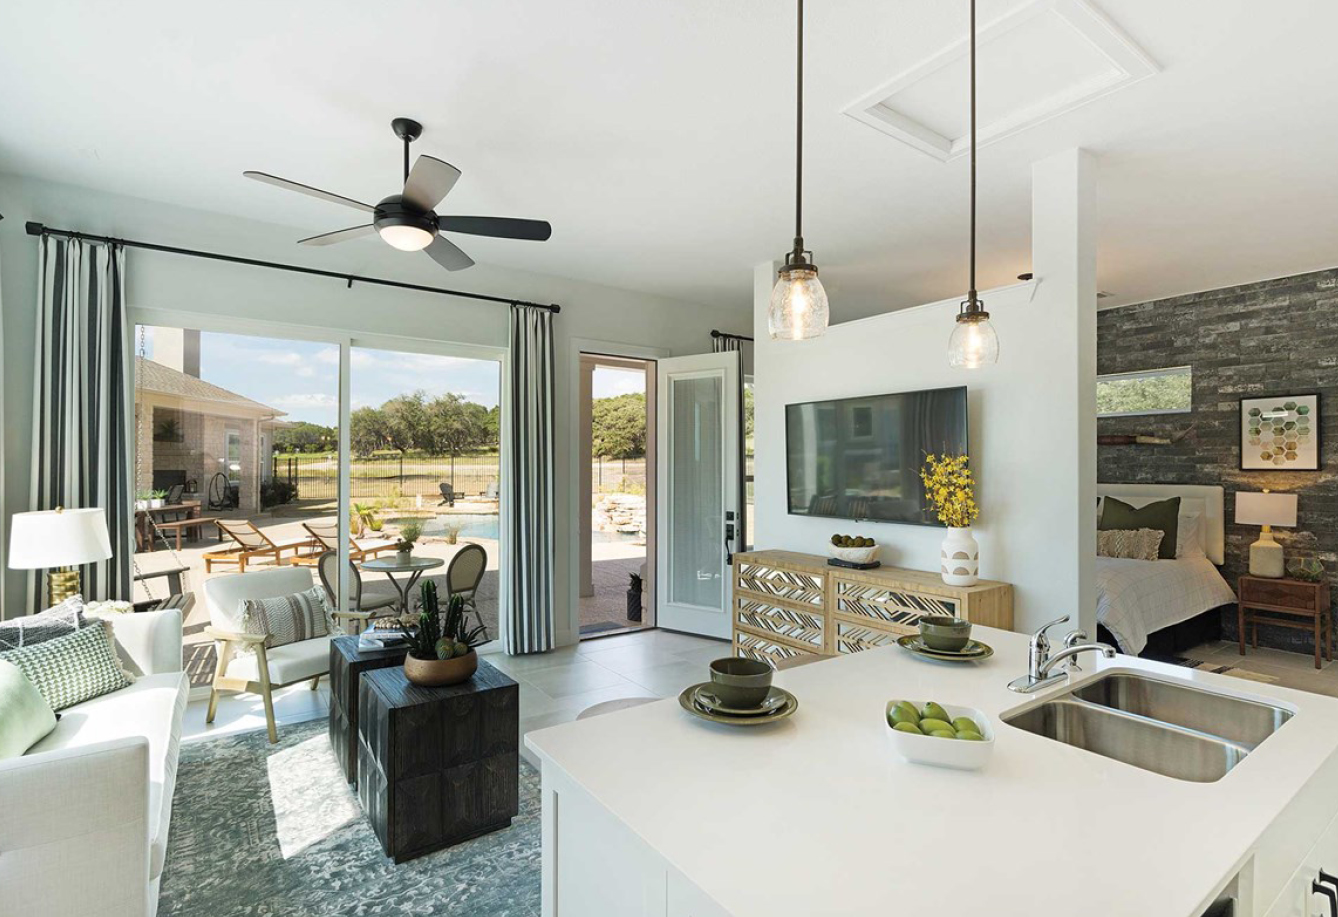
{"x": 262, "y": 670}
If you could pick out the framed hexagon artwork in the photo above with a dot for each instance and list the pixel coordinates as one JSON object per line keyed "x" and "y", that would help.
{"x": 1279, "y": 434}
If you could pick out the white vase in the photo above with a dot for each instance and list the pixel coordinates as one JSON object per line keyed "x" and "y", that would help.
{"x": 403, "y": 557}
{"x": 959, "y": 558}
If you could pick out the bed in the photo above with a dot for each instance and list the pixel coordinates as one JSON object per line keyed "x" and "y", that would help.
{"x": 1162, "y": 607}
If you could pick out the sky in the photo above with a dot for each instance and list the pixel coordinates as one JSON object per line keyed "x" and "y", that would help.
{"x": 301, "y": 378}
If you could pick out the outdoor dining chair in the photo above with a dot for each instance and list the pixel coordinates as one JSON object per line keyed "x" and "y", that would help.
{"x": 328, "y": 568}
{"x": 464, "y": 575}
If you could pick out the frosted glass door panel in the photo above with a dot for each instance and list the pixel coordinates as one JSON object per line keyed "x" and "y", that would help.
{"x": 695, "y": 486}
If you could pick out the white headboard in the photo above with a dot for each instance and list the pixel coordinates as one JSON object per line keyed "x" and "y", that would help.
{"x": 1206, "y": 500}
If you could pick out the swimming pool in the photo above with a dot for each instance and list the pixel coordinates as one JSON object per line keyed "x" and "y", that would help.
{"x": 485, "y": 525}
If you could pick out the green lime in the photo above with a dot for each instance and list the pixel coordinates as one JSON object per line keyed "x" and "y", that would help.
{"x": 970, "y": 735}
{"x": 931, "y": 725}
{"x": 907, "y": 727}
{"x": 965, "y": 724}
{"x": 933, "y": 711}
{"x": 902, "y": 715}
{"x": 943, "y": 734}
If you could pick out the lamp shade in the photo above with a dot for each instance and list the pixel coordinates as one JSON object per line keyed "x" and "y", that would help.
{"x": 1266, "y": 509}
{"x": 58, "y": 538}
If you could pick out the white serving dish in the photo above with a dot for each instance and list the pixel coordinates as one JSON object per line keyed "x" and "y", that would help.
{"x": 854, "y": 555}
{"x": 939, "y": 752}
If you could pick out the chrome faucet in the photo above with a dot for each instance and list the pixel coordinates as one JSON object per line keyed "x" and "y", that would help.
{"x": 1040, "y": 663}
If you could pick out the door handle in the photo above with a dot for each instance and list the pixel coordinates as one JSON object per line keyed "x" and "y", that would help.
{"x": 1316, "y": 888}
{"x": 729, "y": 550}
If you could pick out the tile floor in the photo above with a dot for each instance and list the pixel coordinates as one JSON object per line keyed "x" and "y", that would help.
{"x": 554, "y": 687}
{"x": 1292, "y": 670}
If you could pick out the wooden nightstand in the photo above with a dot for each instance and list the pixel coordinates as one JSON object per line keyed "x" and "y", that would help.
{"x": 1289, "y": 597}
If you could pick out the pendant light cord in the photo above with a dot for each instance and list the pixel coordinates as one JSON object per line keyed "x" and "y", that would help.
{"x": 799, "y": 137}
{"x": 971, "y": 294}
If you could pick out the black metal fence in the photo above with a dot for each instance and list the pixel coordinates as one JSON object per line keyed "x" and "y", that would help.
{"x": 390, "y": 475}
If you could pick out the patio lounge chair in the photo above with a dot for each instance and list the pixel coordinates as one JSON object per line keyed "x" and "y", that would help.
{"x": 448, "y": 493}
{"x": 328, "y": 568}
{"x": 491, "y": 492}
{"x": 251, "y": 544}
{"x": 464, "y": 575}
{"x": 326, "y": 535}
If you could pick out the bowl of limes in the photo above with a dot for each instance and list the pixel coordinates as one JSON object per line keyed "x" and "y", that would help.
{"x": 941, "y": 735}
{"x": 855, "y": 549}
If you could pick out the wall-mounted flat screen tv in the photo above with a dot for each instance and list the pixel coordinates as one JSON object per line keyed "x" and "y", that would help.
{"x": 860, "y": 458}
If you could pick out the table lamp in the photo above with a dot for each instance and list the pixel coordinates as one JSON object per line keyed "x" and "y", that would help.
{"x": 1267, "y": 510}
{"x": 59, "y": 540}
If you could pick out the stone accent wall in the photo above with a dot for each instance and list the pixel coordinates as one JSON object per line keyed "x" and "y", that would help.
{"x": 1276, "y": 337}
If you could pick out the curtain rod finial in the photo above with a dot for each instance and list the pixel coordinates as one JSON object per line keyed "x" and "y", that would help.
{"x": 34, "y": 229}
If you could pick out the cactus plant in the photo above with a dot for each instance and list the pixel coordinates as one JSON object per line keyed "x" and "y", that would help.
{"x": 438, "y": 635}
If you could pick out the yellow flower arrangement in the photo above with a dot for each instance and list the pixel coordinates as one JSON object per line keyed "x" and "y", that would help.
{"x": 950, "y": 489}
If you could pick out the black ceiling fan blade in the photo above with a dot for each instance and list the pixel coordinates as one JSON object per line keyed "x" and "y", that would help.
{"x": 500, "y": 227}
{"x": 448, "y": 254}
{"x": 429, "y": 181}
{"x": 339, "y": 235}
{"x": 330, "y": 196}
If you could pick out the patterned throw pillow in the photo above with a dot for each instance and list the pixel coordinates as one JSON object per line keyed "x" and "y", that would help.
{"x": 289, "y": 618}
{"x": 1131, "y": 544}
{"x": 56, "y": 621}
{"x": 74, "y": 668}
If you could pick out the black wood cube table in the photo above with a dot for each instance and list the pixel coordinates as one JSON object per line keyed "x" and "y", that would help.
{"x": 437, "y": 766}
{"x": 347, "y": 664}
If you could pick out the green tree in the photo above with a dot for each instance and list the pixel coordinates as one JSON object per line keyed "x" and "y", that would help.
{"x": 368, "y": 431}
{"x": 618, "y": 426}
{"x": 302, "y": 436}
{"x": 456, "y": 425}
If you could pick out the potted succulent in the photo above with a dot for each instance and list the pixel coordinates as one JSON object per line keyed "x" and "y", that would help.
{"x": 452, "y": 532}
{"x": 634, "y": 597}
{"x": 441, "y": 648}
{"x": 157, "y": 498}
{"x": 142, "y": 500}
{"x": 409, "y": 534}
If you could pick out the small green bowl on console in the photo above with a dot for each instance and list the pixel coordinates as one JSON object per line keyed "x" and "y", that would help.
{"x": 944, "y": 633}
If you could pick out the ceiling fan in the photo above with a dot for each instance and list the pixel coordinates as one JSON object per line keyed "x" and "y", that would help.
{"x": 408, "y": 220}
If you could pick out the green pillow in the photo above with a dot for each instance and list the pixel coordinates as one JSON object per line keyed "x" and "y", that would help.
{"x": 1163, "y": 515}
{"x": 25, "y": 716}
{"x": 74, "y": 668}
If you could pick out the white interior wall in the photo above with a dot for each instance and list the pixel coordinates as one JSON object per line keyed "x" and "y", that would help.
{"x": 1032, "y": 415}
{"x": 170, "y": 282}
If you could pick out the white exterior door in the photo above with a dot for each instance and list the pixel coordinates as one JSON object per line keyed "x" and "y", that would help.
{"x": 698, "y": 402}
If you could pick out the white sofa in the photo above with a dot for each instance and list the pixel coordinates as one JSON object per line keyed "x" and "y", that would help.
{"x": 84, "y": 815}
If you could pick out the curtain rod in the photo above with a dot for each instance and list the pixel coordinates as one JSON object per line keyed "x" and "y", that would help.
{"x": 37, "y": 229}
{"x": 726, "y": 334}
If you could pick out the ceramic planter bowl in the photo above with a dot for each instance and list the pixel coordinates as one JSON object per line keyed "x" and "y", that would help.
{"x": 959, "y": 754}
{"x": 741, "y": 683}
{"x": 854, "y": 555}
{"x": 940, "y": 632}
{"x": 434, "y": 673}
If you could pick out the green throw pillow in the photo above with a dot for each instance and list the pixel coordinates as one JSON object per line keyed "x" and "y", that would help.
{"x": 25, "y": 716}
{"x": 1163, "y": 515}
{"x": 72, "y": 669}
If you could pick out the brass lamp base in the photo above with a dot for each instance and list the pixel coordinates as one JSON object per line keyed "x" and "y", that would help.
{"x": 61, "y": 583}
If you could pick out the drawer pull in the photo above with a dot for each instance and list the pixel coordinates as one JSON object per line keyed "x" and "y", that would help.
{"x": 1331, "y": 894}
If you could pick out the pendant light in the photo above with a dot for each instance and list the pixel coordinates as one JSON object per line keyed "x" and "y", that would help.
{"x": 973, "y": 343}
{"x": 798, "y": 307}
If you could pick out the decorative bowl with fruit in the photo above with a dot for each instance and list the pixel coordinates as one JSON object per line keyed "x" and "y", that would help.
{"x": 941, "y": 735}
{"x": 855, "y": 549}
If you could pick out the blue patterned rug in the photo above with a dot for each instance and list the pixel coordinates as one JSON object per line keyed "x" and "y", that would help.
{"x": 262, "y": 830}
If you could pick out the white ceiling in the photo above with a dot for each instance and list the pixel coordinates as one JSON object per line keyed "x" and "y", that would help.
{"x": 657, "y": 136}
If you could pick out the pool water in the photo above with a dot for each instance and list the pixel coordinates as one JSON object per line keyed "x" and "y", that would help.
{"x": 485, "y": 525}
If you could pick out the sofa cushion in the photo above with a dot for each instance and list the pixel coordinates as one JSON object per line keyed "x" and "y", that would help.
{"x": 287, "y": 664}
{"x": 56, "y": 621}
{"x": 152, "y": 707}
{"x": 25, "y": 716}
{"x": 71, "y": 669}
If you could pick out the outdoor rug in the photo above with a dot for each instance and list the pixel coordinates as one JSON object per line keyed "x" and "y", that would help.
{"x": 262, "y": 830}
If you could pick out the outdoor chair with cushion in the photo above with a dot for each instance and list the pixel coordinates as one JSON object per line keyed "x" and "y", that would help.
{"x": 326, "y": 534}
{"x": 251, "y": 544}
{"x": 245, "y": 662}
{"x": 328, "y": 568}
{"x": 448, "y": 493}
{"x": 464, "y": 575}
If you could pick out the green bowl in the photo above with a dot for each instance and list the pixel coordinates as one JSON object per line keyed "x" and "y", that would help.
{"x": 741, "y": 683}
{"x": 944, "y": 633}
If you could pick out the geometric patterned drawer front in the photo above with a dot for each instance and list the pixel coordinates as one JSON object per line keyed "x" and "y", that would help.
{"x": 785, "y": 622}
{"x": 755, "y": 647}
{"x": 890, "y": 607}
{"x": 855, "y": 638}
{"x": 803, "y": 588}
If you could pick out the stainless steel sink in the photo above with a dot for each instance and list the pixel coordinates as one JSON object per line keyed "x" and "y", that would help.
{"x": 1171, "y": 729}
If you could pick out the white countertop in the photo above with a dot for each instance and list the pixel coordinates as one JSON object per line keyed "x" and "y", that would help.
{"x": 818, "y": 815}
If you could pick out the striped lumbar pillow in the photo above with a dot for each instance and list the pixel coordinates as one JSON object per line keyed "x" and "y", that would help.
{"x": 72, "y": 669}
{"x": 288, "y": 618}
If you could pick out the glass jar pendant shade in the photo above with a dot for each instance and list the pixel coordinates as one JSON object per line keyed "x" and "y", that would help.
{"x": 974, "y": 342}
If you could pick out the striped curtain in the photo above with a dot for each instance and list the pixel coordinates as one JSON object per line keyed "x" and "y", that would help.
{"x": 527, "y": 581}
{"x": 735, "y": 345}
{"x": 81, "y": 403}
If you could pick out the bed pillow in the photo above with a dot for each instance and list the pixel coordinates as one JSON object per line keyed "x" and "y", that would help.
{"x": 1187, "y": 543}
{"x": 56, "y": 621}
{"x": 1131, "y": 544}
{"x": 288, "y": 618}
{"x": 1162, "y": 515}
{"x": 25, "y": 716}
{"x": 74, "y": 668}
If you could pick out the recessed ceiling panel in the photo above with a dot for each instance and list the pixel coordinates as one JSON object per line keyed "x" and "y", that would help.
{"x": 1036, "y": 63}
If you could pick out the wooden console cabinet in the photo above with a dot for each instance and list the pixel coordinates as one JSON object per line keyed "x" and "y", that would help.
{"x": 787, "y": 605}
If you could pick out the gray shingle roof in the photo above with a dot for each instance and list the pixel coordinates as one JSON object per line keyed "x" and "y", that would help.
{"x": 155, "y": 377}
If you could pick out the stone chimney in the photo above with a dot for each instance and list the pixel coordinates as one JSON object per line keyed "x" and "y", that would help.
{"x": 177, "y": 348}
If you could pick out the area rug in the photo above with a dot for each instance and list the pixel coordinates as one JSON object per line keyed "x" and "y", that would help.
{"x": 1230, "y": 670}
{"x": 262, "y": 830}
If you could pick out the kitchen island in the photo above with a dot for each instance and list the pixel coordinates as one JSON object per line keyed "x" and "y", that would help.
{"x": 650, "y": 811}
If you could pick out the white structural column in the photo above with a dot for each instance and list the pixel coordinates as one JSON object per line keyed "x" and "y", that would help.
{"x": 585, "y": 406}
{"x": 1063, "y": 253}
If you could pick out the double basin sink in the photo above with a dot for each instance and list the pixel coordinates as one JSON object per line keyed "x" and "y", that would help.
{"x": 1160, "y": 725}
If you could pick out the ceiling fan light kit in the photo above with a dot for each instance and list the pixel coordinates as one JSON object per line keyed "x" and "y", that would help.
{"x": 408, "y": 221}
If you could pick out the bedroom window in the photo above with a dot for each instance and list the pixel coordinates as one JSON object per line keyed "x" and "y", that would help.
{"x": 1152, "y": 391}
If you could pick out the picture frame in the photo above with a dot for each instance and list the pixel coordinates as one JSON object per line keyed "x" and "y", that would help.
{"x": 1280, "y": 433}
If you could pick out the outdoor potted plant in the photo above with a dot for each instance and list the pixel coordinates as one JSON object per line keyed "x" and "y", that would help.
{"x": 409, "y": 534}
{"x": 951, "y": 491}
{"x": 634, "y": 597}
{"x": 142, "y": 501}
{"x": 441, "y": 648}
{"x": 452, "y": 532}
{"x": 157, "y": 498}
